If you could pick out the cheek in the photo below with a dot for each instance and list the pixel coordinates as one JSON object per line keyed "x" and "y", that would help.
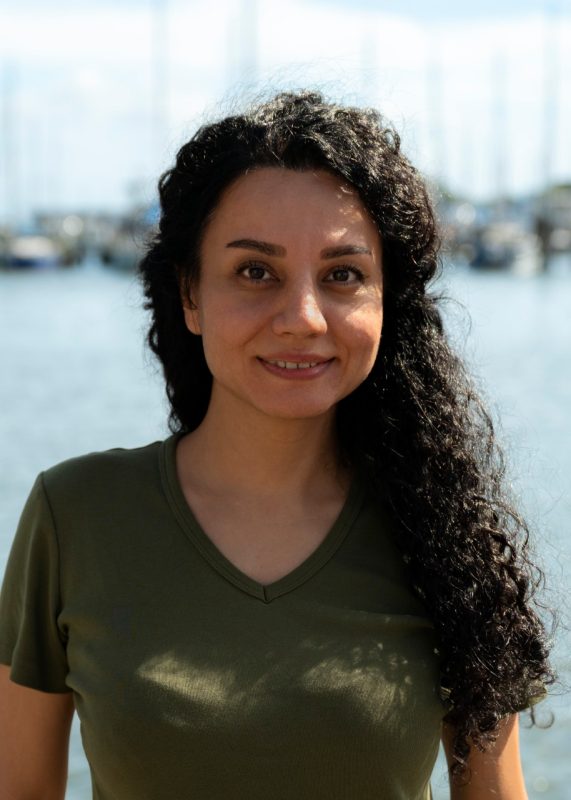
{"x": 227, "y": 328}
{"x": 234, "y": 317}
{"x": 364, "y": 329}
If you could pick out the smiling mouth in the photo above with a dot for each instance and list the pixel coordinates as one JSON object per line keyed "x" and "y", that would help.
{"x": 293, "y": 364}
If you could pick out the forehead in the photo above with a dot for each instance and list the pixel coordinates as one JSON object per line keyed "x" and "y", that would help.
{"x": 277, "y": 201}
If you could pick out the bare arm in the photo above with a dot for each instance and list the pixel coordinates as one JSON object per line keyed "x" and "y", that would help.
{"x": 496, "y": 774}
{"x": 34, "y": 739}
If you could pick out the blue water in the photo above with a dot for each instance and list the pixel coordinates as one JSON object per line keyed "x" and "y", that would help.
{"x": 75, "y": 377}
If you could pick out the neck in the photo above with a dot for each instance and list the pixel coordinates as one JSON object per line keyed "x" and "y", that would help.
{"x": 253, "y": 454}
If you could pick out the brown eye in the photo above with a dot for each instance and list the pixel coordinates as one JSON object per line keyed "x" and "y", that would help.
{"x": 255, "y": 273}
{"x": 341, "y": 275}
{"x": 345, "y": 275}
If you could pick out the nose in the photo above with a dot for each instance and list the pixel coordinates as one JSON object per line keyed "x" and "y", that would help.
{"x": 300, "y": 311}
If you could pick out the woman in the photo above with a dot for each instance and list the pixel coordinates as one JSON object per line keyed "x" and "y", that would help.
{"x": 319, "y": 573}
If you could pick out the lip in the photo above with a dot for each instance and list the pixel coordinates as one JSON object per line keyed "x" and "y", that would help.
{"x": 297, "y": 357}
{"x": 318, "y": 365}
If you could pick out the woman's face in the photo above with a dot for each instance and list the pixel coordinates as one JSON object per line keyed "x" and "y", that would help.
{"x": 289, "y": 299}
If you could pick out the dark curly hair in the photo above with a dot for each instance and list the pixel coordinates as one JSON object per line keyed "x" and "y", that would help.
{"x": 417, "y": 422}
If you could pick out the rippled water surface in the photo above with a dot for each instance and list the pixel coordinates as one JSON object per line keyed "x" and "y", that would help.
{"x": 74, "y": 377}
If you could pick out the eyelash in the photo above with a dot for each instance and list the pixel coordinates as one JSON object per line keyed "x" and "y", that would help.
{"x": 348, "y": 268}
{"x": 241, "y": 270}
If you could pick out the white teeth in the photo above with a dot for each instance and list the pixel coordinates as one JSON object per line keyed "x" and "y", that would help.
{"x": 294, "y": 364}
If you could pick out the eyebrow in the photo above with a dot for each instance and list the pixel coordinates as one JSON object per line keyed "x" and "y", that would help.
{"x": 269, "y": 249}
{"x": 345, "y": 250}
{"x": 261, "y": 247}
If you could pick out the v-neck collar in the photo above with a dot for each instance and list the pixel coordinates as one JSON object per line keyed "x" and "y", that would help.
{"x": 210, "y": 552}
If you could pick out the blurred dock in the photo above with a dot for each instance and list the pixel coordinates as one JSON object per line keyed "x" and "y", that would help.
{"x": 514, "y": 235}
{"x": 518, "y": 236}
{"x": 66, "y": 240}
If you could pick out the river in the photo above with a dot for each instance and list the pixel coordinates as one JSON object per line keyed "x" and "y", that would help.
{"x": 75, "y": 377}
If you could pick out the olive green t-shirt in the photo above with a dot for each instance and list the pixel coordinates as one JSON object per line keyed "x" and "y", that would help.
{"x": 193, "y": 681}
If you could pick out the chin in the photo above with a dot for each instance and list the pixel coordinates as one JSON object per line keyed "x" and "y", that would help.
{"x": 298, "y": 411}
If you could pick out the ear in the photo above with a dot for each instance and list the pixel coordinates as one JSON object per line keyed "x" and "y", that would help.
{"x": 189, "y": 307}
{"x": 191, "y": 316}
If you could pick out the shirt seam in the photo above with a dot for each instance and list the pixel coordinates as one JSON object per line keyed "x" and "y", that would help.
{"x": 57, "y": 541}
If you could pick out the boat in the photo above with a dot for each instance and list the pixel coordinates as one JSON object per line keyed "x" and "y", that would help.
{"x": 31, "y": 251}
{"x": 506, "y": 245}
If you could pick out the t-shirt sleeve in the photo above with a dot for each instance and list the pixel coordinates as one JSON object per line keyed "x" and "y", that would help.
{"x": 31, "y": 641}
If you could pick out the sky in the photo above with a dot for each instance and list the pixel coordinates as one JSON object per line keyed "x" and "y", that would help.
{"x": 96, "y": 97}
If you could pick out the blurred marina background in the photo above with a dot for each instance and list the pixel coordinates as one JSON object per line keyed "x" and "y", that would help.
{"x": 95, "y": 99}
